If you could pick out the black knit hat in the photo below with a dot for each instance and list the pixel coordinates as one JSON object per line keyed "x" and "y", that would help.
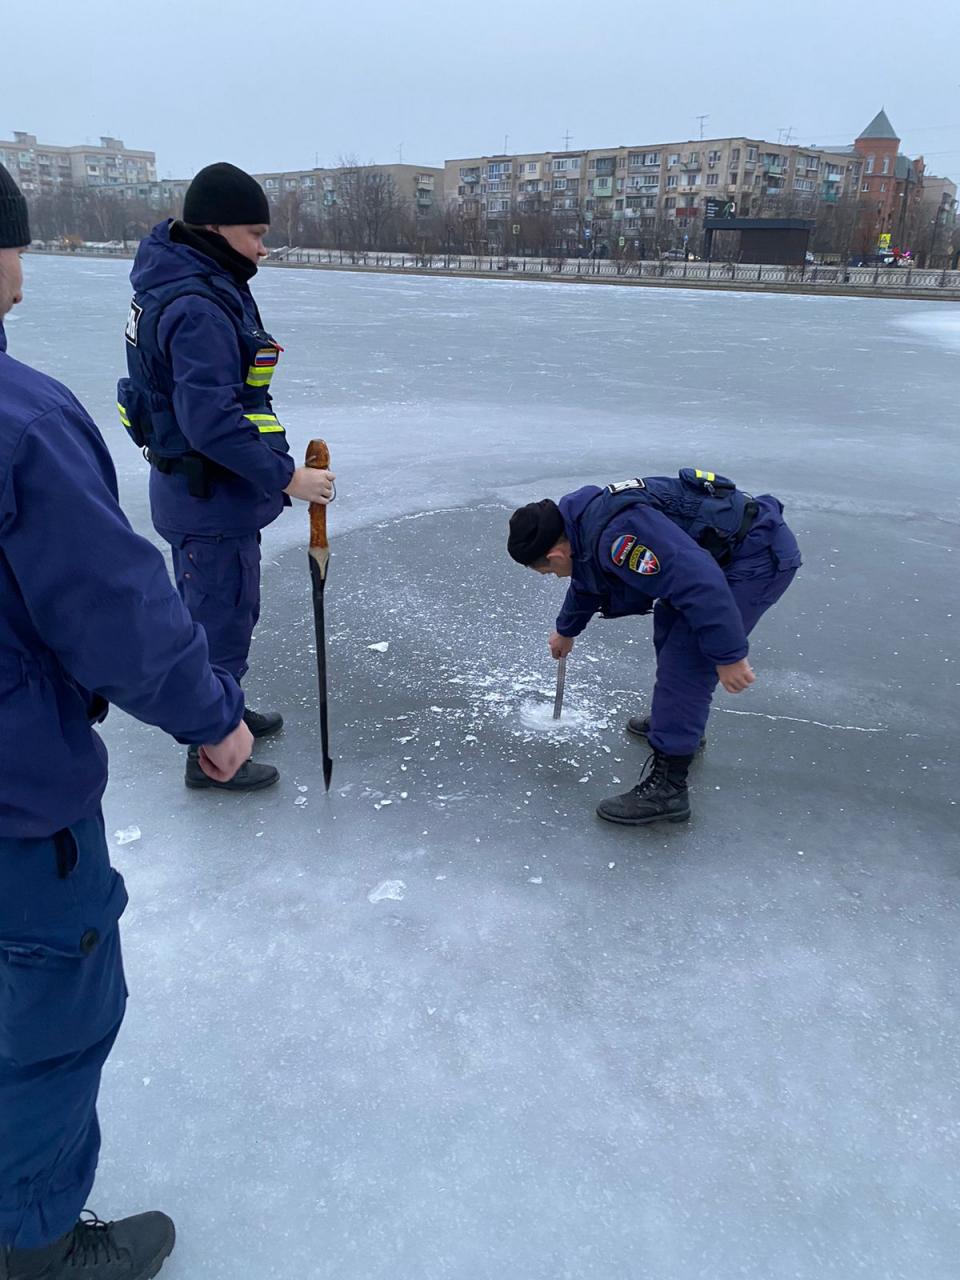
{"x": 14, "y": 224}
{"x": 223, "y": 195}
{"x": 534, "y": 529}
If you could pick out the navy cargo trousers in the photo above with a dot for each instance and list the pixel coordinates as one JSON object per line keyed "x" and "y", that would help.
{"x": 764, "y": 567}
{"x": 219, "y": 582}
{"x": 62, "y": 999}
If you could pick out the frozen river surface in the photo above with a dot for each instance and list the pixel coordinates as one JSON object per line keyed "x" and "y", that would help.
{"x": 443, "y": 1024}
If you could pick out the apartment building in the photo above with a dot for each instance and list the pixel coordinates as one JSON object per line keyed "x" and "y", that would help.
{"x": 939, "y": 199}
{"x": 628, "y": 192}
{"x": 40, "y": 168}
{"x": 419, "y": 187}
{"x": 494, "y": 187}
{"x": 937, "y": 221}
{"x": 165, "y": 193}
{"x": 303, "y": 194}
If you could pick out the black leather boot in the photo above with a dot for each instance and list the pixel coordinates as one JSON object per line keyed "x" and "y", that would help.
{"x": 660, "y": 795}
{"x": 131, "y": 1249}
{"x": 249, "y": 777}
{"x": 639, "y": 726}
{"x": 263, "y": 723}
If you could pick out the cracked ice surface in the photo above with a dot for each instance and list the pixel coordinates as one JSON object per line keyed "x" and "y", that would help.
{"x": 567, "y": 1050}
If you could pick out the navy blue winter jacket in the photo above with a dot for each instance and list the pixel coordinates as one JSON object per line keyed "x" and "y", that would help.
{"x": 208, "y": 371}
{"x": 88, "y": 615}
{"x": 627, "y": 558}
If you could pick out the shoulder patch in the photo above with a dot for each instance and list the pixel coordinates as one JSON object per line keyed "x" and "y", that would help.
{"x": 621, "y": 548}
{"x": 133, "y": 323}
{"x": 642, "y": 560}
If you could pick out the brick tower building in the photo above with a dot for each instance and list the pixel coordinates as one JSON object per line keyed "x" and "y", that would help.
{"x": 890, "y": 190}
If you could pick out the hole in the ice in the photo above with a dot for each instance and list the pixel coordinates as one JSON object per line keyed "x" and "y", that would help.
{"x": 537, "y": 717}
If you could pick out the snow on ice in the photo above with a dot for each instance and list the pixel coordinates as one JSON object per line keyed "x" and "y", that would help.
{"x": 476, "y": 1079}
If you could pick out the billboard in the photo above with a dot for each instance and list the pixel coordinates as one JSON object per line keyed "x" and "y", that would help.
{"x": 718, "y": 207}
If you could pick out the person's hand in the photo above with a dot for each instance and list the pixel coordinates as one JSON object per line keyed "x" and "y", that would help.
{"x": 560, "y": 645}
{"x": 736, "y": 676}
{"x": 221, "y": 760}
{"x": 311, "y": 484}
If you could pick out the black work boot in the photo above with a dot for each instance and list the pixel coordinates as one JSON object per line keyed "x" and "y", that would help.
{"x": 249, "y": 777}
{"x": 662, "y": 794}
{"x": 263, "y": 723}
{"x": 639, "y": 726}
{"x": 131, "y": 1249}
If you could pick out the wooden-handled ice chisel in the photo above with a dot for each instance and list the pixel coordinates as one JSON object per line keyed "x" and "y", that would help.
{"x": 561, "y": 681}
{"x": 318, "y": 455}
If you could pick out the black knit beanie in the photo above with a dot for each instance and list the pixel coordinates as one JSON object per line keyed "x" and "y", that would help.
{"x": 14, "y": 224}
{"x": 534, "y": 529}
{"x": 223, "y": 195}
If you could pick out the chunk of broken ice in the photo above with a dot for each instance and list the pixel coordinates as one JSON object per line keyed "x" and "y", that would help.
{"x": 391, "y": 890}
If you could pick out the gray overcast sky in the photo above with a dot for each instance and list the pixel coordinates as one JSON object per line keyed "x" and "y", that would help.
{"x": 282, "y": 84}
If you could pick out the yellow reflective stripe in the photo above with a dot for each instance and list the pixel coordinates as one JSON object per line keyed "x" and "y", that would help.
{"x": 264, "y": 421}
{"x": 123, "y": 414}
{"x": 705, "y": 475}
{"x": 259, "y": 375}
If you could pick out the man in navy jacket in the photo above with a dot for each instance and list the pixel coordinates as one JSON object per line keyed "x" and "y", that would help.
{"x": 706, "y": 558}
{"x": 89, "y": 617}
{"x": 197, "y": 399}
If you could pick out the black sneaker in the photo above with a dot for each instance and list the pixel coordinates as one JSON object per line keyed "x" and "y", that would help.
{"x": 661, "y": 795}
{"x": 131, "y": 1249}
{"x": 263, "y": 723}
{"x": 639, "y": 726}
{"x": 249, "y": 777}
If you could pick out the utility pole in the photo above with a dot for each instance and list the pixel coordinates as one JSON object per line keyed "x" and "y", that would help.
{"x": 706, "y": 116}
{"x": 567, "y": 139}
{"x": 506, "y": 139}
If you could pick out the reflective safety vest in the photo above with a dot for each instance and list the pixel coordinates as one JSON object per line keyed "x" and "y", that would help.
{"x": 145, "y": 396}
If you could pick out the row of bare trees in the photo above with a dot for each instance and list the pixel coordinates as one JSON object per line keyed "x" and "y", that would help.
{"x": 359, "y": 208}
{"x": 75, "y": 214}
{"x": 541, "y": 230}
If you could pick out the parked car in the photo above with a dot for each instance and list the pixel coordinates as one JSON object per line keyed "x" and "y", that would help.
{"x": 875, "y": 260}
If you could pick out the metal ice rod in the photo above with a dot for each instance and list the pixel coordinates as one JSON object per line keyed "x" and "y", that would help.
{"x": 561, "y": 680}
